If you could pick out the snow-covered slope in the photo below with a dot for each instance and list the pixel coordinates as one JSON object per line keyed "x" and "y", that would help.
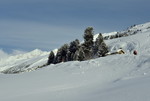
{"x": 23, "y": 62}
{"x": 112, "y": 78}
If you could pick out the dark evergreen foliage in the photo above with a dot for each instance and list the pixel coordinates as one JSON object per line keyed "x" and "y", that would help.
{"x": 51, "y": 58}
{"x": 80, "y": 55}
{"x": 74, "y": 45}
{"x": 88, "y": 37}
{"x": 88, "y": 43}
{"x": 61, "y": 55}
{"x": 87, "y": 50}
{"x": 100, "y": 48}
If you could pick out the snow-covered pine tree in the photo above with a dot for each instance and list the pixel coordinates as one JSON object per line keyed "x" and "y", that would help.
{"x": 74, "y": 45}
{"x": 97, "y": 43}
{"x": 80, "y": 55}
{"x": 51, "y": 58}
{"x": 64, "y": 52}
{"x": 61, "y": 55}
{"x": 58, "y": 57}
{"x": 88, "y": 43}
{"x": 100, "y": 48}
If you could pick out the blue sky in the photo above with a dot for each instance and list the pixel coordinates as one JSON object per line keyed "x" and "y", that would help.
{"x": 48, "y": 24}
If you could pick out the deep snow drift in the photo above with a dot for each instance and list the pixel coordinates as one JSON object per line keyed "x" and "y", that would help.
{"x": 112, "y": 78}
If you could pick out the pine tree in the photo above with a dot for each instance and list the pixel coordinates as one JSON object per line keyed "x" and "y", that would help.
{"x": 88, "y": 37}
{"x": 97, "y": 43}
{"x": 64, "y": 52}
{"x": 88, "y": 43}
{"x": 100, "y": 48}
{"x": 74, "y": 45}
{"x": 77, "y": 41}
{"x": 51, "y": 58}
{"x": 61, "y": 55}
{"x": 80, "y": 55}
{"x": 58, "y": 57}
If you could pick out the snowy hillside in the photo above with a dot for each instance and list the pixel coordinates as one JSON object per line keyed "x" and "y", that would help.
{"x": 124, "y": 77}
{"x": 23, "y": 62}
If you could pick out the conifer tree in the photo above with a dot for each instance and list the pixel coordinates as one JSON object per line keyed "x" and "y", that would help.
{"x": 61, "y": 55}
{"x": 51, "y": 58}
{"x": 74, "y": 45}
{"x": 88, "y": 37}
{"x": 77, "y": 41}
{"x": 100, "y": 48}
{"x": 80, "y": 55}
{"x": 58, "y": 57}
{"x": 64, "y": 52}
{"x": 88, "y": 43}
{"x": 97, "y": 43}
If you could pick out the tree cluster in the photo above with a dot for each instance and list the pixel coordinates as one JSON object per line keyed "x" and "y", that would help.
{"x": 80, "y": 52}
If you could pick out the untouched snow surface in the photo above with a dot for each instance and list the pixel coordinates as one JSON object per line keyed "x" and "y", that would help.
{"x": 112, "y": 78}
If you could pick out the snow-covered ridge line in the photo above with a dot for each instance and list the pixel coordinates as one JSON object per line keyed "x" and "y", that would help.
{"x": 26, "y": 55}
{"x": 23, "y": 61}
{"x": 135, "y": 29}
